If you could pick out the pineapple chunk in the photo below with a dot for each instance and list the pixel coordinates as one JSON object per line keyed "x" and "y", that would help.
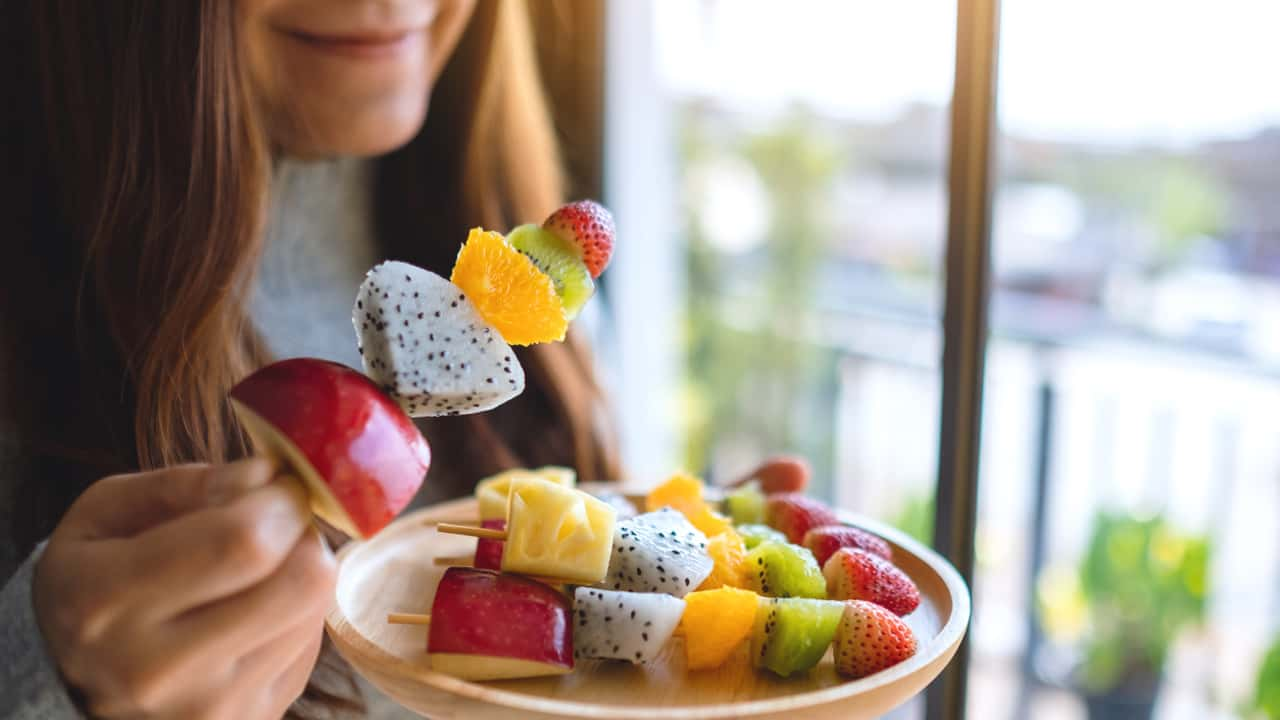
{"x": 559, "y": 532}
{"x": 492, "y": 491}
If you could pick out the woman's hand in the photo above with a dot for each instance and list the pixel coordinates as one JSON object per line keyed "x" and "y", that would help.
{"x": 191, "y": 592}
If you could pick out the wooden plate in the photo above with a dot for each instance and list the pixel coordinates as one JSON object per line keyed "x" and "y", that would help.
{"x": 395, "y": 571}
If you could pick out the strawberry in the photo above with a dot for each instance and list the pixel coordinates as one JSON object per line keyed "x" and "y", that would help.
{"x": 870, "y": 639}
{"x": 854, "y": 574}
{"x": 824, "y": 540}
{"x": 793, "y": 515}
{"x": 778, "y": 474}
{"x": 587, "y": 226}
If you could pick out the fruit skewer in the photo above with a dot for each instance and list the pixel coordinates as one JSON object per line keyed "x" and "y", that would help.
{"x": 632, "y": 614}
{"x": 551, "y": 531}
{"x": 485, "y": 625}
{"x": 429, "y": 347}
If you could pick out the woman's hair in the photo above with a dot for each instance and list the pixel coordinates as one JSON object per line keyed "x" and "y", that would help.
{"x": 141, "y": 175}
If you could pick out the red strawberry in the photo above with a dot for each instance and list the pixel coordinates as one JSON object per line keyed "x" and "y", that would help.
{"x": 854, "y": 574}
{"x": 870, "y": 639}
{"x": 588, "y": 226}
{"x": 779, "y": 474}
{"x": 489, "y": 552}
{"x": 794, "y": 514}
{"x": 824, "y": 540}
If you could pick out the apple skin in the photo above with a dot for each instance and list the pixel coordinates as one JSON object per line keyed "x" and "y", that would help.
{"x": 508, "y": 619}
{"x": 489, "y": 552}
{"x": 359, "y": 444}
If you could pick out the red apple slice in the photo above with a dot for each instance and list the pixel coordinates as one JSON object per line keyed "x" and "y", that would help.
{"x": 360, "y": 456}
{"x": 489, "y": 552}
{"x": 493, "y": 626}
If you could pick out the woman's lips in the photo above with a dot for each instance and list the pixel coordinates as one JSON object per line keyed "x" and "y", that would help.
{"x": 372, "y": 45}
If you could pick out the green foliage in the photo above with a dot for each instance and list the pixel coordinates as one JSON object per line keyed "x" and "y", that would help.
{"x": 1142, "y": 582}
{"x": 1176, "y": 196}
{"x": 1188, "y": 204}
{"x": 915, "y": 517}
{"x": 753, "y": 378}
{"x": 1266, "y": 697}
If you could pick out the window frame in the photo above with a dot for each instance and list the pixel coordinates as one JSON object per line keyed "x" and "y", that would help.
{"x": 971, "y": 170}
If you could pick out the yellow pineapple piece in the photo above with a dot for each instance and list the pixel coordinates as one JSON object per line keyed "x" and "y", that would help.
{"x": 730, "y": 556}
{"x": 492, "y": 492}
{"x": 559, "y": 532}
{"x": 681, "y": 491}
{"x": 714, "y": 623}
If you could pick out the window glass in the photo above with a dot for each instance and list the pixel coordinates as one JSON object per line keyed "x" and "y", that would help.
{"x": 1136, "y": 339}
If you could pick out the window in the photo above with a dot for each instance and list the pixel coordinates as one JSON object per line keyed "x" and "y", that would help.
{"x": 787, "y": 170}
{"x": 1133, "y": 353}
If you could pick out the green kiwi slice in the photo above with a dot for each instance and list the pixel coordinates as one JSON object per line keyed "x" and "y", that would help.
{"x": 785, "y": 570}
{"x": 560, "y": 261}
{"x": 792, "y": 634}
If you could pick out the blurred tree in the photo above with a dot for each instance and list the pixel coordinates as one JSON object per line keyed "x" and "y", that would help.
{"x": 1175, "y": 195}
{"x": 1266, "y": 696}
{"x": 1189, "y": 205}
{"x": 756, "y": 376}
{"x": 915, "y": 516}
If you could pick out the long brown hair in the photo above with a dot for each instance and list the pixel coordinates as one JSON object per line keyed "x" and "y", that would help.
{"x": 140, "y": 176}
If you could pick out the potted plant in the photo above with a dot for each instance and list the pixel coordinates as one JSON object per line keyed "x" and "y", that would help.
{"x": 1138, "y": 585}
{"x": 1266, "y": 695}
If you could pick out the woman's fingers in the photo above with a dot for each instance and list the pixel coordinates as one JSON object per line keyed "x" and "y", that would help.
{"x": 122, "y": 506}
{"x": 198, "y": 655}
{"x": 301, "y": 590}
{"x": 779, "y": 474}
{"x": 217, "y": 552}
{"x": 261, "y": 685}
{"x": 265, "y": 663}
{"x": 277, "y": 695}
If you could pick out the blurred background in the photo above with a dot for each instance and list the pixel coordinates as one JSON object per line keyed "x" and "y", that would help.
{"x": 779, "y": 178}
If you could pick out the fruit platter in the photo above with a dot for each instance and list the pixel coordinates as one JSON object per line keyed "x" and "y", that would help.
{"x": 699, "y": 661}
{"x": 544, "y": 597}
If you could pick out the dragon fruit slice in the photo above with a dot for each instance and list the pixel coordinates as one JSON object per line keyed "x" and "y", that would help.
{"x": 426, "y": 345}
{"x": 657, "y": 552}
{"x": 626, "y": 508}
{"x": 623, "y": 625}
{"x": 669, "y": 519}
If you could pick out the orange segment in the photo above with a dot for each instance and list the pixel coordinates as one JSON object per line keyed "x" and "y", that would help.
{"x": 714, "y": 623}
{"x": 681, "y": 491}
{"x": 730, "y": 556}
{"x": 511, "y": 293}
{"x": 710, "y": 522}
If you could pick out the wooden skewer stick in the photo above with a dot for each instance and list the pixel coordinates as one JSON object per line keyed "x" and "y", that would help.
{"x": 467, "y": 560}
{"x": 454, "y": 560}
{"x": 461, "y": 561}
{"x": 489, "y": 534}
{"x": 409, "y": 618}
{"x": 471, "y": 531}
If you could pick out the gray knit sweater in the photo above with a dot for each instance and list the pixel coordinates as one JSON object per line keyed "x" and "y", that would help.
{"x": 319, "y": 243}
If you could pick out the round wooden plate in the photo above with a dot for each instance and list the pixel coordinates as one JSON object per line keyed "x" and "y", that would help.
{"x": 395, "y": 572}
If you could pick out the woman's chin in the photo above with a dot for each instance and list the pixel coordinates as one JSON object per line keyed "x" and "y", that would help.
{"x": 356, "y": 133}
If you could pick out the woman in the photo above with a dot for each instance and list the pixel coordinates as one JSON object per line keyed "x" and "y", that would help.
{"x": 188, "y": 200}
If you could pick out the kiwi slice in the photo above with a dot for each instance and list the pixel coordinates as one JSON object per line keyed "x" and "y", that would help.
{"x": 785, "y": 570}
{"x": 792, "y": 634}
{"x": 754, "y": 534}
{"x": 560, "y": 261}
{"x": 746, "y": 504}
